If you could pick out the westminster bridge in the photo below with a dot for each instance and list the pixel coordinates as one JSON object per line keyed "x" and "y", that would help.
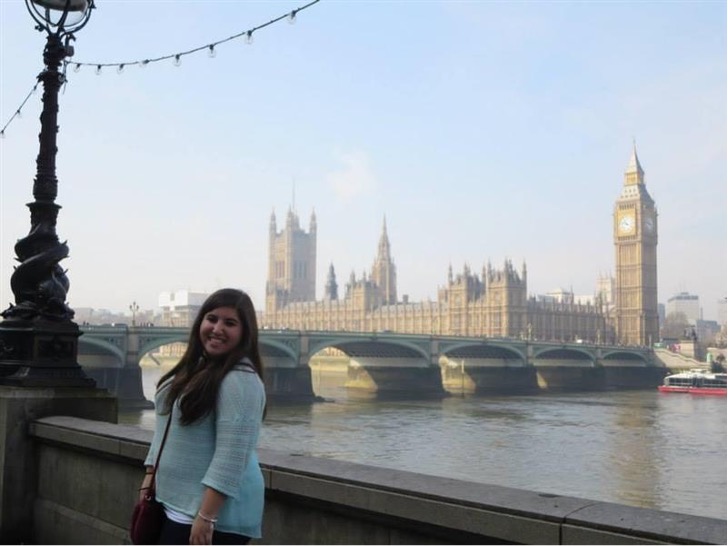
{"x": 387, "y": 364}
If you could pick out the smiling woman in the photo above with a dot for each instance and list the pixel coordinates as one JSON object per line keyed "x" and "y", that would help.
{"x": 207, "y": 476}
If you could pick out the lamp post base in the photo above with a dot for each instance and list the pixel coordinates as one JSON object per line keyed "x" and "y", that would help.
{"x": 40, "y": 354}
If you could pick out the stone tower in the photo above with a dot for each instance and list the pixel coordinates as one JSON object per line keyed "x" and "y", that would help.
{"x": 635, "y": 243}
{"x": 506, "y": 302}
{"x": 384, "y": 273}
{"x": 291, "y": 262}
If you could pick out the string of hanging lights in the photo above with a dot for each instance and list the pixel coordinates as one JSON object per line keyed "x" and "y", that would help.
{"x": 247, "y": 35}
{"x": 176, "y": 58}
{"x": 18, "y": 110}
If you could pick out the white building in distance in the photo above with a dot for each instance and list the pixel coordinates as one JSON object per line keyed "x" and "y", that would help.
{"x": 180, "y": 308}
{"x": 688, "y": 304}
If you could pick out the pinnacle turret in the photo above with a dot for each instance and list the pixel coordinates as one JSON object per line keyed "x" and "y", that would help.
{"x": 384, "y": 249}
{"x": 634, "y": 173}
{"x": 312, "y": 225}
{"x": 332, "y": 288}
{"x": 272, "y": 227}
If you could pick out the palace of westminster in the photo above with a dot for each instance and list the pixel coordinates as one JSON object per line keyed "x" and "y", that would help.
{"x": 494, "y": 303}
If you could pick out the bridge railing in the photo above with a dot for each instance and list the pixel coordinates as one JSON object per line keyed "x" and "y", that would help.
{"x": 285, "y": 332}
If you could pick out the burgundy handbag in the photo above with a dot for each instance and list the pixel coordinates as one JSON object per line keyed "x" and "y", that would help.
{"x": 148, "y": 515}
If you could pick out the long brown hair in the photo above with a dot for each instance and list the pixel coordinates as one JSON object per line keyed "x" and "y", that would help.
{"x": 196, "y": 379}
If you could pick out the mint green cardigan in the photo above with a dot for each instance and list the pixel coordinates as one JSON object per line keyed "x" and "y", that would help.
{"x": 217, "y": 451}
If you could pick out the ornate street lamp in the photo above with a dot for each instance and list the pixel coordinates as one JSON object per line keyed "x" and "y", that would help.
{"x": 38, "y": 338}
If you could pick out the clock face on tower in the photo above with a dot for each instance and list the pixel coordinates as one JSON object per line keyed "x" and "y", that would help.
{"x": 626, "y": 224}
{"x": 649, "y": 224}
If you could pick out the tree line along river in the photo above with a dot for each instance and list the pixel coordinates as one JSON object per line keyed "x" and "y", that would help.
{"x": 640, "y": 448}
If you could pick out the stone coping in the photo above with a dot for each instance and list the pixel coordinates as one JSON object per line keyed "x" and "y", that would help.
{"x": 114, "y": 440}
{"x": 615, "y": 518}
{"x": 507, "y": 513}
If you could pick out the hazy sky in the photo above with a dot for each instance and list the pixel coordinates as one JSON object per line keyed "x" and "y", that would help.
{"x": 482, "y": 130}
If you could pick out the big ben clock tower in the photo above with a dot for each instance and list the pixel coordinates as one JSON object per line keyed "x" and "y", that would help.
{"x": 635, "y": 243}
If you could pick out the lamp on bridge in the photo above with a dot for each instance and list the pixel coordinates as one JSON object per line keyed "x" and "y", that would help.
{"x": 38, "y": 338}
{"x": 134, "y": 308}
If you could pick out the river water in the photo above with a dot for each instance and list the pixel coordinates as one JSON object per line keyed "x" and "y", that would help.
{"x": 640, "y": 448}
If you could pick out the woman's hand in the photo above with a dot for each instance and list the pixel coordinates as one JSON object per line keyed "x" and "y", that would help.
{"x": 201, "y": 532}
{"x": 204, "y": 524}
{"x": 144, "y": 490}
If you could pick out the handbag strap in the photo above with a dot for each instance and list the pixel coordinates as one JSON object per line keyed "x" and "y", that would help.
{"x": 161, "y": 447}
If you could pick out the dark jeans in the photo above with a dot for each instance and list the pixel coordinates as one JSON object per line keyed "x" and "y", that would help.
{"x": 178, "y": 533}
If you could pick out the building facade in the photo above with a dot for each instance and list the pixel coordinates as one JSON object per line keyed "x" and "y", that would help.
{"x": 493, "y": 304}
{"x": 635, "y": 242}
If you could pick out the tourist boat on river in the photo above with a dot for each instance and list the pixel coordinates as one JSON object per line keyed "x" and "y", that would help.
{"x": 695, "y": 382}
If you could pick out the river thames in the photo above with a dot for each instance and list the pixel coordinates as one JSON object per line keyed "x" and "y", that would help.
{"x": 640, "y": 448}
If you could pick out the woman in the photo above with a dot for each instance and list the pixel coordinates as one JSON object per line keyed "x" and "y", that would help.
{"x": 208, "y": 479}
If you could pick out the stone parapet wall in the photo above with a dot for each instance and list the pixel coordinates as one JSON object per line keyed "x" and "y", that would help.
{"x": 677, "y": 361}
{"x": 89, "y": 473}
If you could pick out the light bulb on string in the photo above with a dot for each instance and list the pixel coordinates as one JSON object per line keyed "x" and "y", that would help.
{"x": 120, "y": 68}
{"x": 76, "y": 67}
{"x": 292, "y": 18}
{"x": 18, "y": 114}
{"x": 211, "y": 51}
{"x": 35, "y": 89}
{"x": 249, "y": 37}
{"x": 177, "y": 60}
{"x": 144, "y": 63}
{"x": 98, "y": 70}
{"x": 2, "y": 133}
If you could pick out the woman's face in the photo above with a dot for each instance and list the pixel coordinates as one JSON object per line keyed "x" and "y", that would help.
{"x": 220, "y": 331}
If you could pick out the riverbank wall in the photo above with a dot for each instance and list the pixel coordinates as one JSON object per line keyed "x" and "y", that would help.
{"x": 89, "y": 471}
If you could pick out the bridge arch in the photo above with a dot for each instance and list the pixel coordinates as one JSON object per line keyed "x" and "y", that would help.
{"x": 621, "y": 355}
{"x": 109, "y": 347}
{"x": 268, "y": 347}
{"x": 483, "y": 351}
{"x": 370, "y": 346}
{"x": 150, "y": 343}
{"x": 384, "y": 365}
{"x": 564, "y": 353}
{"x": 276, "y": 349}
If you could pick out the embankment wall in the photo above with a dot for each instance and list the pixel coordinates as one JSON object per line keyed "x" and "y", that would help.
{"x": 89, "y": 473}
